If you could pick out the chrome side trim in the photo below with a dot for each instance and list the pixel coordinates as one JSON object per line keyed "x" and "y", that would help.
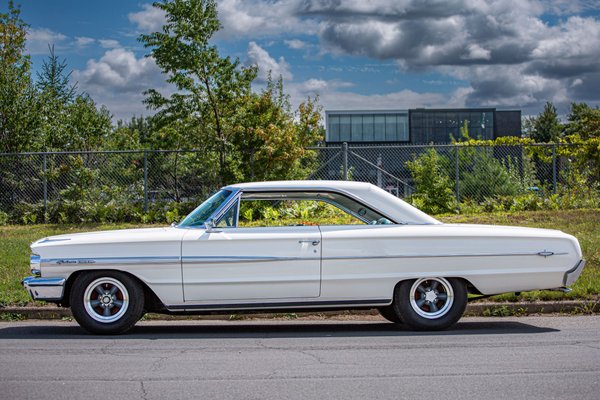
{"x": 110, "y": 260}
{"x": 572, "y": 274}
{"x": 279, "y": 305}
{"x": 241, "y": 259}
{"x": 46, "y": 240}
{"x": 434, "y": 256}
{"x": 255, "y": 259}
{"x": 49, "y": 289}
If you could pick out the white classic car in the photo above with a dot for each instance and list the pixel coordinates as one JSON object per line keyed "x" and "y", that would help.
{"x": 297, "y": 245}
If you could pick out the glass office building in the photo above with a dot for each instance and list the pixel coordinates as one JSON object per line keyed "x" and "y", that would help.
{"x": 367, "y": 126}
{"x": 419, "y": 126}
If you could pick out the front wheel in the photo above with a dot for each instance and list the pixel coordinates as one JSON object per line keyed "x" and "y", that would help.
{"x": 390, "y": 314}
{"x": 430, "y": 303}
{"x": 106, "y": 302}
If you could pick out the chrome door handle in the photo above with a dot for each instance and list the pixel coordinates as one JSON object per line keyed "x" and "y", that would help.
{"x": 313, "y": 242}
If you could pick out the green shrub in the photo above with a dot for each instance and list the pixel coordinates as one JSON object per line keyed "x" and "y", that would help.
{"x": 4, "y": 217}
{"x": 433, "y": 186}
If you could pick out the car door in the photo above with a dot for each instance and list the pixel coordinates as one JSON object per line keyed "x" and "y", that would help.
{"x": 251, "y": 263}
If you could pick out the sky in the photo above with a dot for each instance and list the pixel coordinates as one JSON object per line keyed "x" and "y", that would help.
{"x": 355, "y": 54}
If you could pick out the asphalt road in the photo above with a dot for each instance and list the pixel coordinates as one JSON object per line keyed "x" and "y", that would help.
{"x": 483, "y": 358}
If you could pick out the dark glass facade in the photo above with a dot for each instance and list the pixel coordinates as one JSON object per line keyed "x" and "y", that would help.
{"x": 439, "y": 126}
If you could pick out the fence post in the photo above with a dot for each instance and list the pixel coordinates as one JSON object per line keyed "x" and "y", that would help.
{"x": 554, "y": 168}
{"x": 45, "y": 170}
{"x": 379, "y": 174}
{"x": 145, "y": 182}
{"x": 345, "y": 161}
{"x": 456, "y": 175}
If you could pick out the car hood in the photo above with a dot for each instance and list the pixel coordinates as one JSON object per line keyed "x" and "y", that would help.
{"x": 121, "y": 236}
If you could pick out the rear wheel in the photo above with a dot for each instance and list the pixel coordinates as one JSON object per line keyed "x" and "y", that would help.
{"x": 430, "y": 303}
{"x": 106, "y": 302}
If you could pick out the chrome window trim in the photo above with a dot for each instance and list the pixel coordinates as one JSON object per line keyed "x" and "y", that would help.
{"x": 318, "y": 190}
{"x": 219, "y": 211}
{"x": 237, "y": 215}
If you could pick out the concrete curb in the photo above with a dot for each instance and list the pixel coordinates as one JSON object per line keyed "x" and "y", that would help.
{"x": 477, "y": 309}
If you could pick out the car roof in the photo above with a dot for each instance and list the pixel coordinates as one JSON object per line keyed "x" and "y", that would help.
{"x": 383, "y": 201}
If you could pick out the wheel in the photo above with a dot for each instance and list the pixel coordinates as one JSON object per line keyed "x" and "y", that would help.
{"x": 106, "y": 302}
{"x": 390, "y": 314}
{"x": 430, "y": 303}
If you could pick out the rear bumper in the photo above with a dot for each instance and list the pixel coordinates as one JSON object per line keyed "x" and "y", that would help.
{"x": 572, "y": 274}
{"x": 49, "y": 289}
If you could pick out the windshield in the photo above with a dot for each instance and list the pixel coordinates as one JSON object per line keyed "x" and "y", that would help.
{"x": 205, "y": 210}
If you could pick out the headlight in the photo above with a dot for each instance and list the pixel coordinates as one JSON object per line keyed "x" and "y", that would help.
{"x": 34, "y": 264}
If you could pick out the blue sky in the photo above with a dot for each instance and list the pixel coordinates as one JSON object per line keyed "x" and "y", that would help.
{"x": 354, "y": 54}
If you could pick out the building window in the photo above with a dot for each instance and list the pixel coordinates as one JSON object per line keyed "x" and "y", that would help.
{"x": 345, "y": 128}
{"x": 379, "y": 128}
{"x": 334, "y": 128}
{"x": 357, "y": 128}
{"x": 368, "y": 129}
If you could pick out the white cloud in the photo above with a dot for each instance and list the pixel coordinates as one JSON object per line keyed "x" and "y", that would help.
{"x": 296, "y": 44}
{"x": 477, "y": 52}
{"x": 118, "y": 80}
{"x": 38, "y": 40}
{"x": 332, "y": 98}
{"x": 150, "y": 19}
{"x": 109, "y": 43}
{"x": 260, "y": 57}
{"x": 256, "y": 18}
{"x": 82, "y": 41}
{"x": 119, "y": 69}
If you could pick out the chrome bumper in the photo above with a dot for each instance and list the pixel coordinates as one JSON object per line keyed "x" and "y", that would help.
{"x": 50, "y": 289}
{"x": 572, "y": 274}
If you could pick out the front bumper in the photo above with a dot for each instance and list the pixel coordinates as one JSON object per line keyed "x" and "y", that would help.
{"x": 49, "y": 289}
{"x": 572, "y": 274}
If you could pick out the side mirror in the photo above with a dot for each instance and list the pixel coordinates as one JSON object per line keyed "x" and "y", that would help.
{"x": 210, "y": 225}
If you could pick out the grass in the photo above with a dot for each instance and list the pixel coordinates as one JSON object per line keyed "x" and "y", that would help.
{"x": 583, "y": 224}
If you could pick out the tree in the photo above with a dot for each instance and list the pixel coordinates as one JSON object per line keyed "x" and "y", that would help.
{"x": 583, "y": 121}
{"x": 69, "y": 120}
{"x": 54, "y": 80}
{"x": 56, "y": 93}
{"x": 270, "y": 139}
{"x": 18, "y": 101}
{"x": 87, "y": 127}
{"x": 209, "y": 86}
{"x": 547, "y": 127}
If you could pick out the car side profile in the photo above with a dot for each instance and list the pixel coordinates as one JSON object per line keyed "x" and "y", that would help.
{"x": 297, "y": 246}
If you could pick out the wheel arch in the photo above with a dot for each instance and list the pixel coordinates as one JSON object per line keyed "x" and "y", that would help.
{"x": 151, "y": 300}
{"x": 471, "y": 289}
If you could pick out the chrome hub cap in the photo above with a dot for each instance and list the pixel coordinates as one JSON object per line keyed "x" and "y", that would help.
{"x": 106, "y": 300}
{"x": 431, "y": 298}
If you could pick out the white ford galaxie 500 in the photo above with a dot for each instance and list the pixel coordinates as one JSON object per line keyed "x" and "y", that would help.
{"x": 297, "y": 245}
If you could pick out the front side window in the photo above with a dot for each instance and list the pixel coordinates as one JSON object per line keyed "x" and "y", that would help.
{"x": 197, "y": 217}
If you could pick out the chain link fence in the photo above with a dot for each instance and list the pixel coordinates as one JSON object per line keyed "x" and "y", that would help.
{"x": 146, "y": 178}
{"x": 472, "y": 173}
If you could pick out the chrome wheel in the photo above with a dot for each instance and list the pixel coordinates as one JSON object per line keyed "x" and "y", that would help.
{"x": 431, "y": 298}
{"x": 106, "y": 300}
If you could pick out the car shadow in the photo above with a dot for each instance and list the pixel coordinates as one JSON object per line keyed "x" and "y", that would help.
{"x": 252, "y": 330}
